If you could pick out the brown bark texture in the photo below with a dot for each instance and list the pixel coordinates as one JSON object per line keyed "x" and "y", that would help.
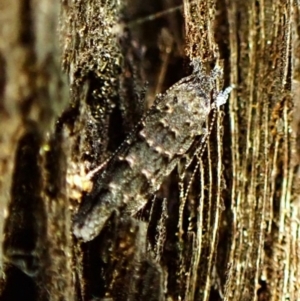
{"x": 75, "y": 79}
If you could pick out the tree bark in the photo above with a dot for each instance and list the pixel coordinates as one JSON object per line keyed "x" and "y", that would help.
{"x": 75, "y": 79}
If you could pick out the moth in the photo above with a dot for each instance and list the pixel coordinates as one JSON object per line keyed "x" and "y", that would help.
{"x": 151, "y": 151}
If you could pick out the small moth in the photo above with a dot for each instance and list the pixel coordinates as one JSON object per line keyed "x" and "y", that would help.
{"x": 151, "y": 151}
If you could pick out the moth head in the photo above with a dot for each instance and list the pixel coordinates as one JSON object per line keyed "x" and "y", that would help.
{"x": 223, "y": 96}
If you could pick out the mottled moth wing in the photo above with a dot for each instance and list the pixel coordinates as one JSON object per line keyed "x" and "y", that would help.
{"x": 150, "y": 152}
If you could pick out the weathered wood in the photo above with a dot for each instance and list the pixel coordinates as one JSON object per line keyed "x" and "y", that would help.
{"x": 224, "y": 225}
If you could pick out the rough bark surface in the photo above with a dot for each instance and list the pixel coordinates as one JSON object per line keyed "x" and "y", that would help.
{"x": 75, "y": 79}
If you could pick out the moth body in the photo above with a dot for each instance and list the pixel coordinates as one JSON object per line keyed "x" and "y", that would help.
{"x": 150, "y": 152}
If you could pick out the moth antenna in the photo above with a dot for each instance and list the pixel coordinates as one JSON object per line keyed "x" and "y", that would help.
{"x": 181, "y": 208}
{"x": 201, "y": 147}
{"x": 220, "y": 100}
{"x": 198, "y": 153}
{"x": 91, "y": 173}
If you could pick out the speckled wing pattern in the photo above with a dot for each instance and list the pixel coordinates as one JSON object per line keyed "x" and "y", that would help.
{"x": 151, "y": 151}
